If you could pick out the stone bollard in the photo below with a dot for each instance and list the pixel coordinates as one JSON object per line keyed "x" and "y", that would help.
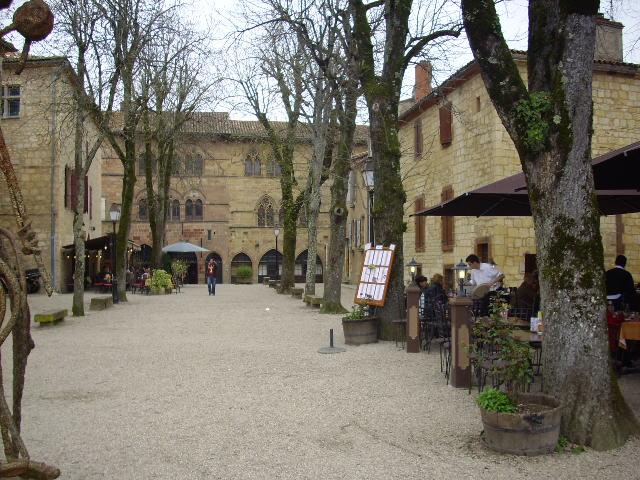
{"x": 413, "y": 322}
{"x": 460, "y": 337}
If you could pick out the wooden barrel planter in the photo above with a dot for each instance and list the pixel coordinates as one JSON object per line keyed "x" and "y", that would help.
{"x": 360, "y": 332}
{"x": 532, "y": 433}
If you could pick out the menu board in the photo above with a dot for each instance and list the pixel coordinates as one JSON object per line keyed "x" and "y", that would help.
{"x": 376, "y": 274}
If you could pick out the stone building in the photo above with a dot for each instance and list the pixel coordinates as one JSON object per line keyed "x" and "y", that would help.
{"x": 453, "y": 142}
{"x": 38, "y": 125}
{"x": 226, "y": 198}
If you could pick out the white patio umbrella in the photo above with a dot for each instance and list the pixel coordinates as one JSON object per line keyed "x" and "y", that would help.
{"x": 183, "y": 247}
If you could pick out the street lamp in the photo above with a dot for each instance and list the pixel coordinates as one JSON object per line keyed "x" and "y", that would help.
{"x": 114, "y": 214}
{"x": 276, "y": 232}
{"x": 460, "y": 271}
{"x": 413, "y": 267}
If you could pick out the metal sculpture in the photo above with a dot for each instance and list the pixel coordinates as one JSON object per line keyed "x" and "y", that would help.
{"x": 34, "y": 21}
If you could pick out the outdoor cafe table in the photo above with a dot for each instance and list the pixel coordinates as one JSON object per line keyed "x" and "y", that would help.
{"x": 629, "y": 331}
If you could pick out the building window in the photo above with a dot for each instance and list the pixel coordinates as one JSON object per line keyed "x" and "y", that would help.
{"x": 419, "y": 225}
{"x": 281, "y": 216}
{"x": 143, "y": 212}
{"x": 482, "y": 250}
{"x": 257, "y": 168}
{"x": 10, "y": 101}
{"x": 446, "y": 118}
{"x": 265, "y": 212}
{"x": 198, "y": 213}
{"x": 418, "y": 137}
{"x": 478, "y": 104}
{"x": 191, "y": 166}
{"x": 302, "y": 217}
{"x": 188, "y": 209}
{"x": 248, "y": 167}
{"x": 271, "y": 168}
{"x": 447, "y": 223}
{"x": 175, "y": 210}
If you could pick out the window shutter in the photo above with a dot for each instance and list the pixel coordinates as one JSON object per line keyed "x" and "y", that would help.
{"x": 418, "y": 137}
{"x": 86, "y": 194}
{"x": 447, "y": 222}
{"x": 419, "y": 225}
{"x": 74, "y": 189}
{"x": 445, "y": 125}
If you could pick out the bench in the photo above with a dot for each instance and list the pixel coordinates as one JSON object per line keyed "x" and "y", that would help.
{"x": 313, "y": 301}
{"x": 274, "y": 283}
{"x": 297, "y": 292}
{"x": 101, "y": 303}
{"x": 52, "y": 316}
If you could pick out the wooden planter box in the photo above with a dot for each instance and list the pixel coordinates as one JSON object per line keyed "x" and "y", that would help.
{"x": 360, "y": 332}
{"x": 523, "y": 434}
{"x": 241, "y": 281}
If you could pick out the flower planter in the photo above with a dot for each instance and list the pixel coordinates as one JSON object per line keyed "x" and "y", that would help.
{"x": 533, "y": 433}
{"x": 360, "y": 332}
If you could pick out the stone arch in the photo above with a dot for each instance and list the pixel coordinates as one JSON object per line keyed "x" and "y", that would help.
{"x": 218, "y": 261}
{"x": 238, "y": 260}
{"x": 270, "y": 265}
{"x": 300, "y": 268}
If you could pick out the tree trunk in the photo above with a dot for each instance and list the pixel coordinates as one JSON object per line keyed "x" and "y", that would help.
{"x": 389, "y": 199}
{"x": 78, "y": 242}
{"x": 332, "y": 301}
{"x": 551, "y": 126}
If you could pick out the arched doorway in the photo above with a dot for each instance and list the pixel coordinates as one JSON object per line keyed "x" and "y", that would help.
{"x": 240, "y": 260}
{"x": 192, "y": 265}
{"x": 142, "y": 257}
{"x": 218, "y": 261}
{"x": 301, "y": 268}
{"x": 270, "y": 265}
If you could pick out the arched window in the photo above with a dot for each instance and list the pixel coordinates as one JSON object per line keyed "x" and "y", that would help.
{"x": 271, "y": 168}
{"x": 248, "y": 167}
{"x": 197, "y": 210}
{"x": 278, "y": 170}
{"x": 188, "y": 209}
{"x": 141, "y": 164}
{"x": 281, "y": 216}
{"x": 257, "y": 168}
{"x": 143, "y": 212}
{"x": 198, "y": 166}
{"x": 265, "y": 212}
{"x": 175, "y": 210}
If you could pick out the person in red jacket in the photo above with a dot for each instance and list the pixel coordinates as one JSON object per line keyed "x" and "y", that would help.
{"x": 211, "y": 276}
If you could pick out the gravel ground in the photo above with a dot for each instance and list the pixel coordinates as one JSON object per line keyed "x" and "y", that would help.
{"x": 190, "y": 386}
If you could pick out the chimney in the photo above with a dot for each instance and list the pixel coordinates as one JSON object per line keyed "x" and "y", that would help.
{"x": 422, "y": 86}
{"x": 608, "y": 40}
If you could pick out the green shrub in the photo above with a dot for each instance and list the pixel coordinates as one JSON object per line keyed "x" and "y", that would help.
{"x": 179, "y": 268}
{"x": 160, "y": 280}
{"x": 358, "y": 312}
{"x": 244, "y": 272}
{"x": 494, "y": 400}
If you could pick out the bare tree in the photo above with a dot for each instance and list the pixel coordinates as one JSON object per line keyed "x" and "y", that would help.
{"x": 171, "y": 89}
{"x": 381, "y": 79}
{"x": 550, "y": 124}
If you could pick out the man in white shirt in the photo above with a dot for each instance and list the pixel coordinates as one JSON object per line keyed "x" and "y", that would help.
{"x": 484, "y": 273}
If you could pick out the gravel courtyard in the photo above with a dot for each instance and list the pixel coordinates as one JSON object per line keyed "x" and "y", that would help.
{"x": 190, "y": 386}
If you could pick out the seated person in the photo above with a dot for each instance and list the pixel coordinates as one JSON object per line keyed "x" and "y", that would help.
{"x": 527, "y": 301}
{"x": 436, "y": 293}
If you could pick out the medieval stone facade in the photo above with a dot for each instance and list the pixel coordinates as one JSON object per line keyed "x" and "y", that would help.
{"x": 38, "y": 125}
{"x": 453, "y": 142}
{"x": 226, "y": 198}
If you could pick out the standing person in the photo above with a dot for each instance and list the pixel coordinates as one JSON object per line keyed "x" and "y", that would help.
{"x": 620, "y": 286}
{"x": 211, "y": 276}
{"x": 486, "y": 278}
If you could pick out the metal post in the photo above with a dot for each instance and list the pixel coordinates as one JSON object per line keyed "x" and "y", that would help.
{"x": 114, "y": 278}
{"x": 277, "y": 265}
{"x": 331, "y": 338}
{"x": 413, "y": 321}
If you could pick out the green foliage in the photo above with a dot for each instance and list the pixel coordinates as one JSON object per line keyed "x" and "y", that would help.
{"x": 358, "y": 312}
{"x": 562, "y": 444}
{"x": 494, "y": 400}
{"x": 532, "y": 115}
{"x": 244, "y": 272}
{"x": 510, "y": 358}
{"x": 179, "y": 268}
{"x": 160, "y": 280}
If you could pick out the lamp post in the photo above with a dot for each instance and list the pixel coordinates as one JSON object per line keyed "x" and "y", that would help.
{"x": 461, "y": 273}
{"x": 276, "y": 232}
{"x": 114, "y": 214}
{"x": 413, "y": 268}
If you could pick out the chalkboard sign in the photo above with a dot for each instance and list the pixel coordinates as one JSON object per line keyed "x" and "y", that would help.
{"x": 376, "y": 274}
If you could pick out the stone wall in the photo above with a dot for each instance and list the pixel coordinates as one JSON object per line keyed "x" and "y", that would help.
{"x": 482, "y": 152}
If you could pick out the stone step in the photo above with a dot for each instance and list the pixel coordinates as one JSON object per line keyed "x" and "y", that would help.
{"x": 51, "y": 316}
{"x": 101, "y": 303}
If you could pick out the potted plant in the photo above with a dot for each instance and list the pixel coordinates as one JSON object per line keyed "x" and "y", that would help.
{"x": 514, "y": 422}
{"x": 160, "y": 282}
{"x": 179, "y": 269}
{"x": 359, "y": 327}
{"x": 243, "y": 274}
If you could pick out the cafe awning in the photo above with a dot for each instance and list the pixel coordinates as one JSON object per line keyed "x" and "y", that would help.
{"x": 98, "y": 243}
{"x": 616, "y": 174}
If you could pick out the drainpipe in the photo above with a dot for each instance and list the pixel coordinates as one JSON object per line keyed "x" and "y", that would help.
{"x": 52, "y": 182}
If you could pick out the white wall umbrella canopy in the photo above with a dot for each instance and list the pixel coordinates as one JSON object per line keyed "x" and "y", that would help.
{"x": 183, "y": 247}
